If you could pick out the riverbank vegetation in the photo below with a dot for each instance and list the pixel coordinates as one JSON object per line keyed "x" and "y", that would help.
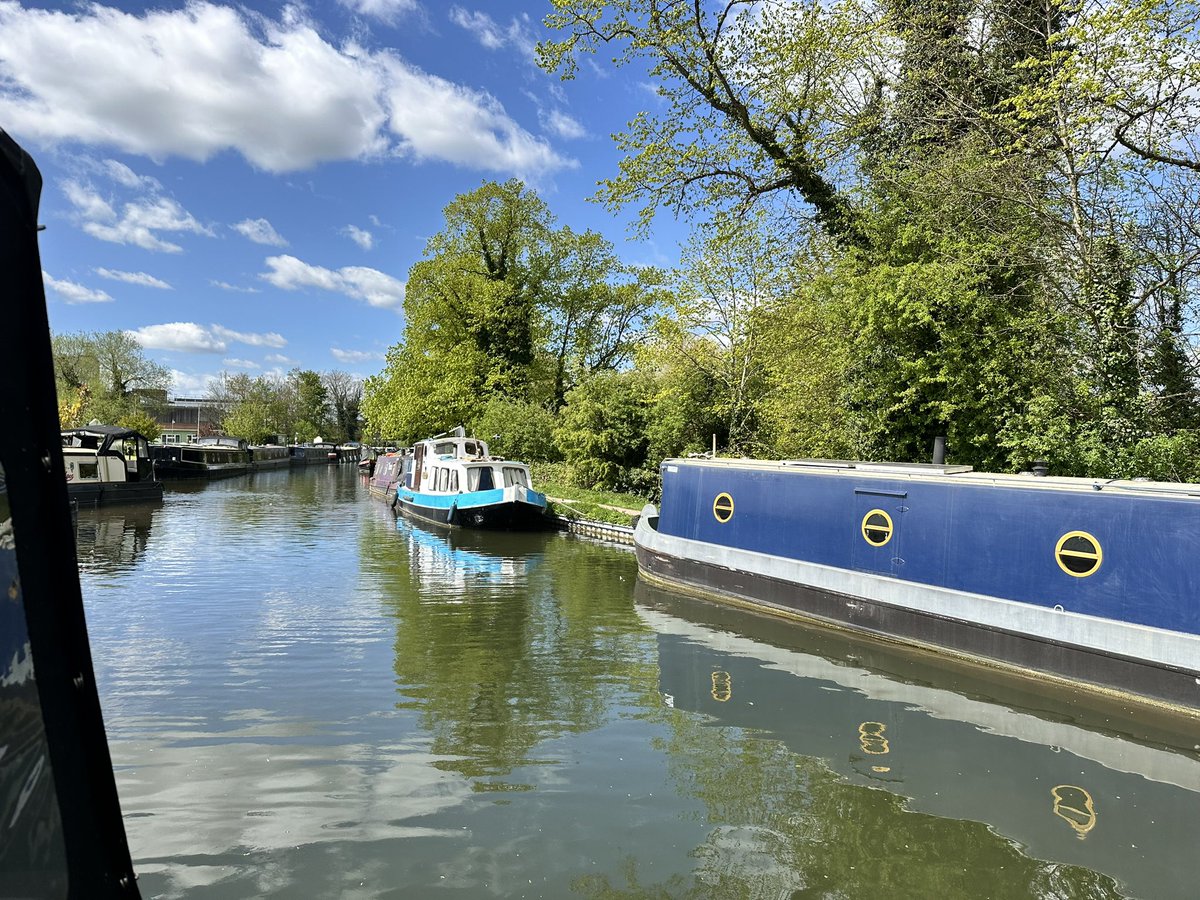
{"x": 977, "y": 219}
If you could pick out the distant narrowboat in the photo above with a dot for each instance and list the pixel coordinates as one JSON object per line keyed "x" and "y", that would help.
{"x": 1091, "y": 582}
{"x": 269, "y": 456}
{"x": 453, "y": 480}
{"x": 107, "y": 464}
{"x": 209, "y": 457}
{"x": 388, "y": 476}
{"x": 308, "y": 454}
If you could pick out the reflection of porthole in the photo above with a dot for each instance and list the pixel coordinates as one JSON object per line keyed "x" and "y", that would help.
{"x": 723, "y": 507}
{"x": 1078, "y": 554}
{"x": 877, "y": 528}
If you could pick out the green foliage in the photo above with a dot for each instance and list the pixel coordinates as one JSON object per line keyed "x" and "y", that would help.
{"x": 602, "y": 430}
{"x": 504, "y": 306}
{"x": 423, "y": 393}
{"x": 141, "y": 422}
{"x": 518, "y": 430}
{"x": 105, "y": 376}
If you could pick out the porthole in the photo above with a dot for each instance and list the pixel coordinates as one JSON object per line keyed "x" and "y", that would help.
{"x": 877, "y": 528}
{"x": 723, "y": 507}
{"x": 1078, "y": 554}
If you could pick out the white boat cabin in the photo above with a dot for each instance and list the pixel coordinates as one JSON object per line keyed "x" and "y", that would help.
{"x": 457, "y": 464}
{"x": 102, "y": 454}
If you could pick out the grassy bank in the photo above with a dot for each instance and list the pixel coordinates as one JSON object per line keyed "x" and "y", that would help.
{"x": 574, "y": 502}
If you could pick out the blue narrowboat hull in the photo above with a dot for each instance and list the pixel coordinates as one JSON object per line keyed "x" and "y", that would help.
{"x": 982, "y": 566}
{"x": 504, "y": 508}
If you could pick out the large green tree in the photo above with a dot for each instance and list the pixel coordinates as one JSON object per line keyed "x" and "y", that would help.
{"x": 106, "y": 376}
{"x": 982, "y": 175}
{"x": 505, "y": 306}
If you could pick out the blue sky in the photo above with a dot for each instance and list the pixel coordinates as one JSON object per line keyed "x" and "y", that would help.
{"x": 245, "y": 187}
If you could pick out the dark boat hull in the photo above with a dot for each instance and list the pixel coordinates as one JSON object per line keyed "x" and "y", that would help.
{"x": 173, "y": 470}
{"x": 513, "y": 516}
{"x": 971, "y": 641}
{"x": 111, "y": 493}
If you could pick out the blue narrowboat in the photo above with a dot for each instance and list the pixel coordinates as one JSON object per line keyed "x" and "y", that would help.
{"x": 1090, "y": 582}
{"x": 454, "y": 480}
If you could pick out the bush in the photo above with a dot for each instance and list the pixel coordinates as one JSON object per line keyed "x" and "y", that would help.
{"x": 518, "y": 430}
{"x": 603, "y": 429}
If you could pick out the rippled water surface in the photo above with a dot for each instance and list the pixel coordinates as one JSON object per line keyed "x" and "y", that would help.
{"x": 306, "y": 697}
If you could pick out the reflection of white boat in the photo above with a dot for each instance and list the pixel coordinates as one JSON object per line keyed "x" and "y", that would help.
{"x": 446, "y": 560}
{"x": 107, "y": 464}
{"x": 1063, "y": 792}
{"x": 112, "y": 540}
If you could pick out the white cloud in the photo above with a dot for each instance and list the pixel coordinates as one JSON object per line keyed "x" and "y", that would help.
{"x": 240, "y": 364}
{"x": 436, "y": 119}
{"x": 87, "y": 202}
{"x": 226, "y": 286}
{"x": 188, "y": 337}
{"x": 354, "y": 356}
{"x": 562, "y": 125}
{"x": 494, "y": 36}
{"x": 141, "y": 219}
{"x": 122, "y": 174}
{"x": 261, "y": 232}
{"x": 357, "y": 282}
{"x": 204, "y": 79}
{"x": 73, "y": 292}
{"x": 360, "y": 236}
{"x": 384, "y": 10}
{"x": 279, "y": 359}
{"x": 187, "y": 384}
{"x": 138, "y": 220}
{"x": 270, "y": 339}
{"x": 140, "y": 278}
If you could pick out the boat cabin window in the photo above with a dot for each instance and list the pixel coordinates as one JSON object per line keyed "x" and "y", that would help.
{"x": 479, "y": 478}
{"x": 454, "y": 482}
{"x": 445, "y": 448}
{"x": 513, "y": 475}
{"x": 89, "y": 471}
{"x": 470, "y": 449}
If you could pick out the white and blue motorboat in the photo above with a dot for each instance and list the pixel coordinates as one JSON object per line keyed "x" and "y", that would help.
{"x": 1087, "y": 582}
{"x": 453, "y": 479}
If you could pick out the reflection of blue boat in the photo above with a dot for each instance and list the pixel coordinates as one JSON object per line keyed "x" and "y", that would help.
{"x": 1060, "y": 791}
{"x": 453, "y": 480}
{"x": 1091, "y": 582}
{"x": 452, "y": 559}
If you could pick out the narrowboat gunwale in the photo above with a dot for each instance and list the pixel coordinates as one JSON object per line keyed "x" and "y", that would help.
{"x": 734, "y": 560}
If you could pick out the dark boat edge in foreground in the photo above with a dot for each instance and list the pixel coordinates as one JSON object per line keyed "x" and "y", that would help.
{"x": 798, "y": 543}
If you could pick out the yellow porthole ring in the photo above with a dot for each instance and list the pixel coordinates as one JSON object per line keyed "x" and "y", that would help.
{"x": 877, "y": 528}
{"x": 1078, "y": 554}
{"x": 723, "y": 507}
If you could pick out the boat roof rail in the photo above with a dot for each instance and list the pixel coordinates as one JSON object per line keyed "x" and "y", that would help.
{"x": 897, "y": 467}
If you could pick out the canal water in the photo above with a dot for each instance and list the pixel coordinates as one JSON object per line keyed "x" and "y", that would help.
{"x": 307, "y": 697}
